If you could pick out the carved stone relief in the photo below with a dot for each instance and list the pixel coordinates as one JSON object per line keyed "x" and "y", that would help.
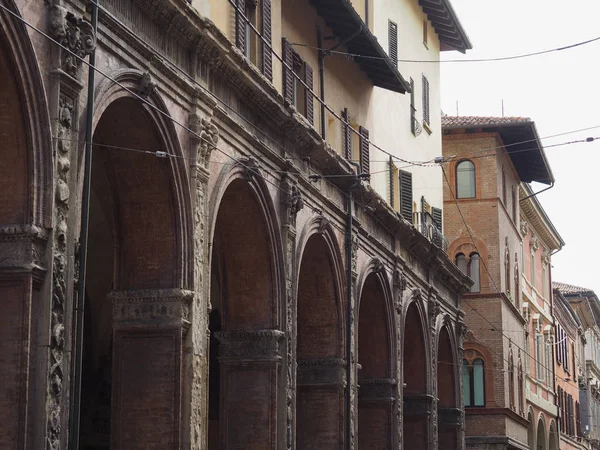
{"x": 205, "y": 139}
{"x": 292, "y": 200}
{"x": 75, "y": 34}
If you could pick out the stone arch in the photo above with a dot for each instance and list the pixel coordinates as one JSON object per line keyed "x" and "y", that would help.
{"x": 246, "y": 341}
{"x": 138, "y": 270}
{"x": 376, "y": 358}
{"x": 465, "y": 245}
{"x": 320, "y": 339}
{"x": 106, "y": 94}
{"x": 541, "y": 440}
{"x": 21, "y": 75}
{"x": 553, "y": 437}
{"x": 416, "y": 375}
{"x": 448, "y": 392}
{"x": 26, "y": 199}
{"x": 531, "y": 431}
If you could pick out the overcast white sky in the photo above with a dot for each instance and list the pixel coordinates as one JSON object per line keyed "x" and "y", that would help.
{"x": 560, "y": 91}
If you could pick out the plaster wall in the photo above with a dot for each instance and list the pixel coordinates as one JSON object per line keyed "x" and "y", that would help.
{"x": 392, "y": 112}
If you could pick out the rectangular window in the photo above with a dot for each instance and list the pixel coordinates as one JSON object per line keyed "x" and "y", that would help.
{"x": 545, "y": 281}
{"x": 558, "y": 347}
{"x": 539, "y": 355}
{"x": 425, "y": 100}
{"x": 393, "y": 42}
{"x": 425, "y": 33}
{"x": 406, "y": 195}
{"x": 515, "y": 205}
{"x": 532, "y": 264}
{"x": 297, "y": 82}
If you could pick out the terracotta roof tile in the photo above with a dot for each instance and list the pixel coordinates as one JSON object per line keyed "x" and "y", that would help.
{"x": 565, "y": 288}
{"x": 474, "y": 121}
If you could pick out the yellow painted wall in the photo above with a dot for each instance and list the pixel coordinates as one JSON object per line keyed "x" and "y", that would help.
{"x": 346, "y": 85}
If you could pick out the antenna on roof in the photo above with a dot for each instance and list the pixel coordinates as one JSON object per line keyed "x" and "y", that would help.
{"x": 502, "y": 107}
{"x": 456, "y": 108}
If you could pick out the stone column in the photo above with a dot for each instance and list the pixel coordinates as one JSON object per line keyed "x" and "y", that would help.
{"x": 148, "y": 329}
{"x": 416, "y": 417}
{"x": 250, "y": 362}
{"x": 376, "y": 398}
{"x": 21, "y": 274}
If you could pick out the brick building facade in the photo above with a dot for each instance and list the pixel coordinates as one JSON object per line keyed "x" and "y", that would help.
{"x": 244, "y": 287}
{"x": 482, "y": 219}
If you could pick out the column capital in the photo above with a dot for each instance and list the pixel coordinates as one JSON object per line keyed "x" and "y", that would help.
{"x": 250, "y": 345}
{"x": 154, "y": 307}
{"x": 322, "y": 372}
{"x": 377, "y": 390}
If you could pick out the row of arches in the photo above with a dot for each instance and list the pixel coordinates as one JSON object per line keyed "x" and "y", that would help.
{"x": 540, "y": 435}
{"x": 139, "y": 247}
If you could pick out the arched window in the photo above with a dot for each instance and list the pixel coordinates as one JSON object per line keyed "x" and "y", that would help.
{"x": 465, "y": 179}
{"x": 461, "y": 263}
{"x": 474, "y": 383}
{"x": 474, "y": 263}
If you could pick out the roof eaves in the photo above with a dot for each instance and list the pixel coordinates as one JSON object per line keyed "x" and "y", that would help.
{"x": 444, "y": 20}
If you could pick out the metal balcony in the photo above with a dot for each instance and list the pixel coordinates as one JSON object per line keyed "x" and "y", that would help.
{"x": 429, "y": 228}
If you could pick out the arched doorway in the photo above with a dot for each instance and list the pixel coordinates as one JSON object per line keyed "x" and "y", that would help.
{"x": 531, "y": 431}
{"x": 320, "y": 351}
{"x": 417, "y": 401}
{"x": 245, "y": 359}
{"x": 541, "y": 439}
{"x": 376, "y": 386}
{"x": 449, "y": 414}
{"x": 133, "y": 320}
{"x": 553, "y": 437}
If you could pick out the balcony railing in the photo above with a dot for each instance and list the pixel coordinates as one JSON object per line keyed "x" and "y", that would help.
{"x": 429, "y": 228}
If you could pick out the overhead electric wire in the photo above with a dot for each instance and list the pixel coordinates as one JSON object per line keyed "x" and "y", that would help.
{"x": 437, "y": 61}
{"x": 168, "y": 116}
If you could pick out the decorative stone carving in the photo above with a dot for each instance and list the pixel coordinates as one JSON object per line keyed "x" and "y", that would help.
{"x": 75, "y": 34}
{"x": 205, "y": 137}
{"x": 523, "y": 228}
{"x": 292, "y": 199}
{"x": 355, "y": 247}
{"x": 158, "y": 307}
{"x": 252, "y": 168}
{"x": 59, "y": 282}
{"x": 534, "y": 243}
{"x": 147, "y": 85}
{"x": 323, "y": 224}
{"x": 250, "y": 345}
{"x": 382, "y": 390}
{"x": 378, "y": 266}
{"x": 322, "y": 372}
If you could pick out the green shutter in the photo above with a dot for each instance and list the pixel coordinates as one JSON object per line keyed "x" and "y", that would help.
{"x": 393, "y": 41}
{"x": 436, "y": 213}
{"x": 406, "y": 195}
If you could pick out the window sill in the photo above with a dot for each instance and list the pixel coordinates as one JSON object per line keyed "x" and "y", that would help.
{"x": 426, "y": 127}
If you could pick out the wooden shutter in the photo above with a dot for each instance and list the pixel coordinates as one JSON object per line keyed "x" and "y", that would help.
{"x": 288, "y": 74}
{"x": 267, "y": 57}
{"x": 436, "y": 213}
{"x": 240, "y": 26}
{"x": 346, "y": 133}
{"x": 393, "y": 41}
{"x": 364, "y": 158}
{"x": 406, "y": 195}
{"x": 391, "y": 180}
{"x": 308, "y": 96}
{"x": 425, "y": 100}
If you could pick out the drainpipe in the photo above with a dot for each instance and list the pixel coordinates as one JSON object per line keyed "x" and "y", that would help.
{"x": 539, "y": 192}
{"x": 322, "y": 82}
{"x": 349, "y": 283}
{"x": 75, "y": 407}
